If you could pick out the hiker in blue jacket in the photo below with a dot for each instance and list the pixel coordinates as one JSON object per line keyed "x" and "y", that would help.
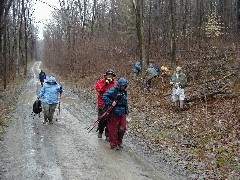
{"x": 137, "y": 69}
{"x": 42, "y": 77}
{"x": 50, "y": 94}
{"x": 118, "y": 122}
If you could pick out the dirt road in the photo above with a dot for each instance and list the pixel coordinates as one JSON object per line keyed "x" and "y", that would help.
{"x": 64, "y": 150}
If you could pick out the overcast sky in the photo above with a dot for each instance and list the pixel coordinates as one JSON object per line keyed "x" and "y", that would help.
{"x": 43, "y": 12}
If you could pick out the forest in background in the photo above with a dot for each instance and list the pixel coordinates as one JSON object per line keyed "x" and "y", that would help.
{"x": 84, "y": 38}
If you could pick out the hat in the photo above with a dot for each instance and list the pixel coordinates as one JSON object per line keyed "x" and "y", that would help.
{"x": 110, "y": 71}
{"x": 51, "y": 79}
{"x": 178, "y": 68}
{"x": 122, "y": 82}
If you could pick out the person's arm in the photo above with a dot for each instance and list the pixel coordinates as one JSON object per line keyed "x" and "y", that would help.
{"x": 100, "y": 86}
{"x": 108, "y": 97}
{"x": 42, "y": 91}
{"x": 172, "y": 80}
{"x": 61, "y": 91}
{"x": 184, "y": 81}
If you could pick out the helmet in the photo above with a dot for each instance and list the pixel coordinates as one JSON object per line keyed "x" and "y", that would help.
{"x": 110, "y": 71}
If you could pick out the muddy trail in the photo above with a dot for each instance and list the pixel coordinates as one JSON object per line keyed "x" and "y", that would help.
{"x": 65, "y": 150}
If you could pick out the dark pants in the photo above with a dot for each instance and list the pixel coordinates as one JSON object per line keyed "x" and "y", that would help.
{"x": 103, "y": 123}
{"x": 42, "y": 81}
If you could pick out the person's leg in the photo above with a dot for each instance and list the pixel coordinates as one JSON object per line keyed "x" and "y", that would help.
{"x": 45, "y": 112}
{"x": 181, "y": 98}
{"x": 106, "y": 129}
{"x": 175, "y": 98}
{"x": 121, "y": 129}
{"x": 113, "y": 124}
{"x": 52, "y": 108}
{"x": 101, "y": 124}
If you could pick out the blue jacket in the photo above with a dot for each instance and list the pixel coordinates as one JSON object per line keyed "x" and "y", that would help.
{"x": 121, "y": 107}
{"x": 137, "y": 67}
{"x": 49, "y": 92}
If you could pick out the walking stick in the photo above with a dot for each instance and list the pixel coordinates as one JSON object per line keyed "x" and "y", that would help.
{"x": 101, "y": 117}
{"x": 59, "y": 110}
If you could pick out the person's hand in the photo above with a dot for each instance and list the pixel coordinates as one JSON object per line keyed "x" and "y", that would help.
{"x": 108, "y": 80}
{"x": 114, "y": 103}
{"x": 176, "y": 85}
{"x": 119, "y": 97}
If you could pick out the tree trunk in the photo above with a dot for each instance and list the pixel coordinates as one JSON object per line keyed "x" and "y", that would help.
{"x": 238, "y": 15}
{"x": 172, "y": 7}
{"x": 25, "y": 38}
{"x": 93, "y": 16}
{"x": 138, "y": 8}
{"x": 5, "y": 59}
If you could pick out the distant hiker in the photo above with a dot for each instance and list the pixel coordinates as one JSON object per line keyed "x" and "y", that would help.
{"x": 137, "y": 69}
{"x": 50, "y": 94}
{"x": 117, "y": 123}
{"x": 102, "y": 86}
{"x": 151, "y": 73}
{"x": 179, "y": 82}
{"x": 42, "y": 76}
{"x": 165, "y": 73}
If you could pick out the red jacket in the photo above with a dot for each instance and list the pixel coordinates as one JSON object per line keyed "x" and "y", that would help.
{"x": 101, "y": 88}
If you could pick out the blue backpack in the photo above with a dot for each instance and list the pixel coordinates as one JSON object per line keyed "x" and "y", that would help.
{"x": 158, "y": 69}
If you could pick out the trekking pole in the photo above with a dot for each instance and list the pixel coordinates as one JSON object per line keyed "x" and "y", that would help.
{"x": 59, "y": 110}
{"x": 101, "y": 117}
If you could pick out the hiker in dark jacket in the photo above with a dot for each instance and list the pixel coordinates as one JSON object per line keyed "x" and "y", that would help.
{"x": 42, "y": 77}
{"x": 50, "y": 94}
{"x": 117, "y": 123}
{"x": 102, "y": 86}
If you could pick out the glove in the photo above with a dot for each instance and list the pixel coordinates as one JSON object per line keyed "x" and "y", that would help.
{"x": 119, "y": 97}
{"x": 176, "y": 85}
{"x": 108, "y": 80}
{"x": 182, "y": 86}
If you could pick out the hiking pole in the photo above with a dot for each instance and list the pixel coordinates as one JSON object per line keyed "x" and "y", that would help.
{"x": 101, "y": 117}
{"x": 59, "y": 110}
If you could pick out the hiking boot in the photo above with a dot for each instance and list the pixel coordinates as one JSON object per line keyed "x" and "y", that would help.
{"x": 107, "y": 139}
{"x": 120, "y": 146}
{"x": 45, "y": 121}
{"x": 115, "y": 148}
{"x": 99, "y": 135}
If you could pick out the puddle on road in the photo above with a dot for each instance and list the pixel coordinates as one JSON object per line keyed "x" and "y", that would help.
{"x": 69, "y": 100}
{"x": 25, "y": 98}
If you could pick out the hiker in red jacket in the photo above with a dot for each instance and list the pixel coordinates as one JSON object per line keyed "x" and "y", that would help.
{"x": 102, "y": 86}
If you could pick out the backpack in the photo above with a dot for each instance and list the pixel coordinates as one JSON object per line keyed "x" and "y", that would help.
{"x": 37, "y": 106}
{"x": 158, "y": 69}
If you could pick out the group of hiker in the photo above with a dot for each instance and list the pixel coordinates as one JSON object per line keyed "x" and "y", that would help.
{"x": 112, "y": 94}
{"x": 178, "y": 80}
